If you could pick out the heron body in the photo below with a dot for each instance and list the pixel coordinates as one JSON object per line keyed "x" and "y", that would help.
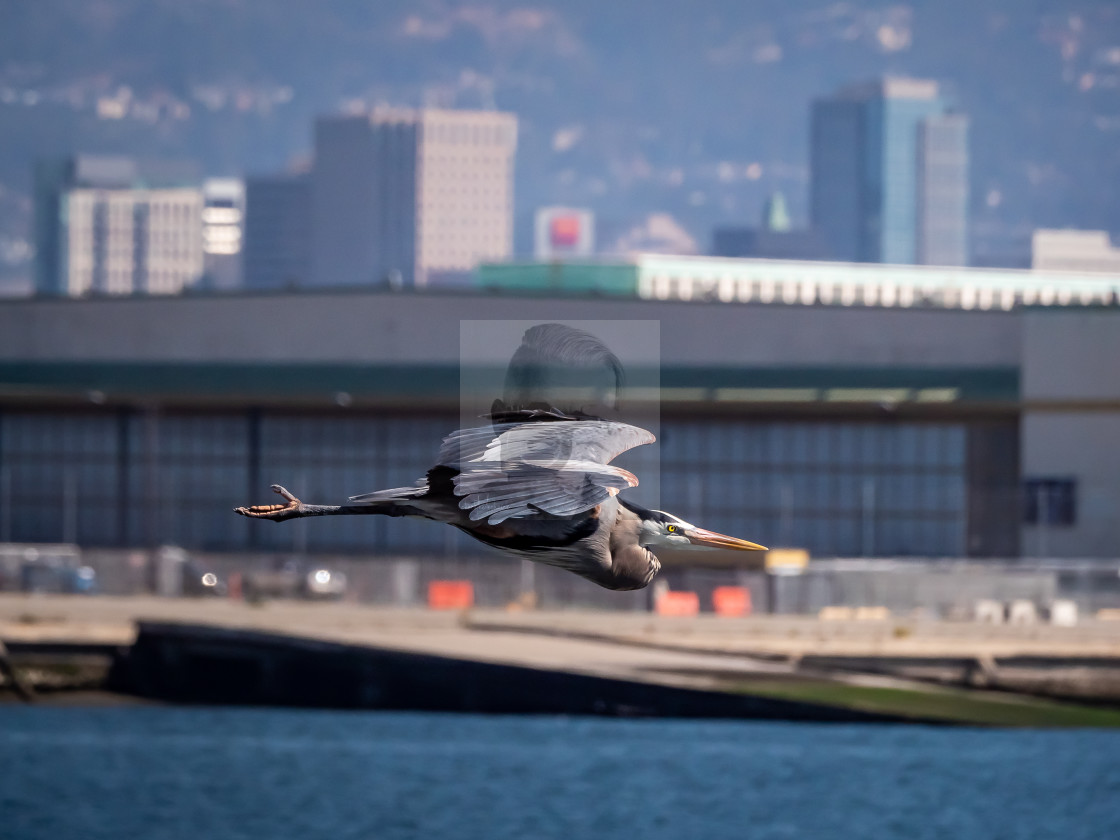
{"x": 544, "y": 491}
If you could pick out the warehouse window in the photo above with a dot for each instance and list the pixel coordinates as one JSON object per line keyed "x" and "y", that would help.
{"x": 1050, "y": 501}
{"x": 837, "y": 488}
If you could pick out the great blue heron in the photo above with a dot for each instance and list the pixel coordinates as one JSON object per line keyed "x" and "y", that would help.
{"x": 537, "y": 482}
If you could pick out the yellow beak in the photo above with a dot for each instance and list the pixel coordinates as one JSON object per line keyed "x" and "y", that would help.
{"x": 698, "y": 536}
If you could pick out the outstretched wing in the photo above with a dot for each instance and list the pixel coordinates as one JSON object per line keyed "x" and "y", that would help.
{"x": 523, "y": 470}
{"x": 597, "y": 441}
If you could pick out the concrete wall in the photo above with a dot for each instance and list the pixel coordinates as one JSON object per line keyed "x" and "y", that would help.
{"x": 1071, "y": 425}
{"x": 387, "y": 328}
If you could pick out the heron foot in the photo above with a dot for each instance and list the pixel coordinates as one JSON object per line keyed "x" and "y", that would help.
{"x": 276, "y": 513}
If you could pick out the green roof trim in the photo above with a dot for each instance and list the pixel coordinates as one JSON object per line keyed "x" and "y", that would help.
{"x": 304, "y": 381}
{"x": 973, "y": 384}
{"x": 565, "y": 278}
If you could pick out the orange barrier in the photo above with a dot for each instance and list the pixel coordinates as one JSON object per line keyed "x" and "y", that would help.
{"x": 678, "y": 603}
{"x": 450, "y": 595}
{"x": 731, "y": 600}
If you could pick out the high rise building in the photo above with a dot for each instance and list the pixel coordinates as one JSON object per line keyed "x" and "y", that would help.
{"x": 942, "y": 190}
{"x": 100, "y": 229}
{"x": 890, "y": 174}
{"x": 277, "y": 252}
{"x": 411, "y": 196}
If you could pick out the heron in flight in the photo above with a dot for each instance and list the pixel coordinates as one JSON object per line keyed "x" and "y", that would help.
{"x": 538, "y": 482}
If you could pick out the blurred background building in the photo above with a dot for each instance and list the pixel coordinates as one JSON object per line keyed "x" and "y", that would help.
{"x": 775, "y": 238}
{"x": 278, "y": 238}
{"x": 1074, "y": 250}
{"x": 808, "y": 283}
{"x": 411, "y": 197}
{"x": 863, "y": 430}
{"x": 223, "y": 221}
{"x": 889, "y": 174}
{"x": 105, "y": 226}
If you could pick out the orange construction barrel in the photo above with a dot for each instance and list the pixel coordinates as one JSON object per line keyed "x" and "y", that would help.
{"x": 731, "y": 600}
{"x": 450, "y": 595}
{"x": 678, "y": 603}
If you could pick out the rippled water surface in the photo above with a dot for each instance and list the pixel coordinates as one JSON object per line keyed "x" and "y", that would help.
{"x": 200, "y": 773}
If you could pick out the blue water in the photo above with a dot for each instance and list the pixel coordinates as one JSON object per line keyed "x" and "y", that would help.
{"x": 209, "y": 774}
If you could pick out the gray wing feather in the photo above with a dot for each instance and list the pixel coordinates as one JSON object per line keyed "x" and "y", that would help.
{"x": 584, "y": 440}
{"x": 525, "y": 490}
{"x": 522, "y": 470}
{"x": 396, "y": 494}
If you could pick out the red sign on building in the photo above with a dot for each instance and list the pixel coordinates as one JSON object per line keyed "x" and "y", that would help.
{"x": 564, "y": 231}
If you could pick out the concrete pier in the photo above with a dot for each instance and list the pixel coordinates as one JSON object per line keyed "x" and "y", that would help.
{"x": 350, "y": 656}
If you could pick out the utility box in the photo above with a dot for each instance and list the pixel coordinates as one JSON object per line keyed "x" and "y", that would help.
{"x": 1022, "y": 611}
{"x": 1063, "y": 613}
{"x": 168, "y": 571}
{"x": 988, "y": 611}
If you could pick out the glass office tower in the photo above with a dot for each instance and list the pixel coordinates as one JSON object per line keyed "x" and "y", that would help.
{"x": 889, "y": 168}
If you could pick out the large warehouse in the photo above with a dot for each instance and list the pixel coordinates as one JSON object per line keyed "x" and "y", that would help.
{"x": 851, "y": 431}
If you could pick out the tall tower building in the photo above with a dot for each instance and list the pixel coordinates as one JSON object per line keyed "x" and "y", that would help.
{"x": 942, "y": 171}
{"x": 890, "y": 174}
{"x": 411, "y": 196}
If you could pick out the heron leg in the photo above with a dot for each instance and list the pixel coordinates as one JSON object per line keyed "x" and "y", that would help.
{"x": 293, "y": 509}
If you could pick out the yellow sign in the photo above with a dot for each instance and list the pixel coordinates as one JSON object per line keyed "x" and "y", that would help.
{"x": 786, "y": 561}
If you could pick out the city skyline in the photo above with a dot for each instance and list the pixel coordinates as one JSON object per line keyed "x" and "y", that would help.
{"x": 698, "y": 142}
{"x": 399, "y": 199}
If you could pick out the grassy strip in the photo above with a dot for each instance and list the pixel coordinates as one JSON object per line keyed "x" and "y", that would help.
{"x": 950, "y": 705}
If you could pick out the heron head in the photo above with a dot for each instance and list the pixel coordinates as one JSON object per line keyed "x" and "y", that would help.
{"x": 664, "y": 529}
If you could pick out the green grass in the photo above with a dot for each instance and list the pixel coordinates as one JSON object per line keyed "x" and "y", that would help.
{"x": 957, "y": 706}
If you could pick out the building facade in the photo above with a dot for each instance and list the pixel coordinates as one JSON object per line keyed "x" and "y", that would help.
{"x": 126, "y": 241}
{"x": 101, "y": 229}
{"x": 889, "y": 174}
{"x": 942, "y": 191}
{"x": 661, "y": 277}
{"x": 278, "y": 236}
{"x": 411, "y": 197}
{"x": 861, "y": 431}
{"x": 1074, "y": 250}
{"x": 774, "y": 239}
{"x": 223, "y": 232}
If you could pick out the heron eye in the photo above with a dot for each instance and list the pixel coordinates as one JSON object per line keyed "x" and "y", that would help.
{"x": 672, "y": 528}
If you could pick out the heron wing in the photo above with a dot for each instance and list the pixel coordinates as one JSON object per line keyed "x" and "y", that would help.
{"x": 596, "y": 441}
{"x": 523, "y": 470}
{"x": 517, "y": 491}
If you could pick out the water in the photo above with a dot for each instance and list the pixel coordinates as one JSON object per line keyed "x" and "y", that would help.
{"x": 210, "y": 774}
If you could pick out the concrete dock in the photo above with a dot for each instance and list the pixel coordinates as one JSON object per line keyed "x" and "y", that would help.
{"x": 891, "y": 669}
